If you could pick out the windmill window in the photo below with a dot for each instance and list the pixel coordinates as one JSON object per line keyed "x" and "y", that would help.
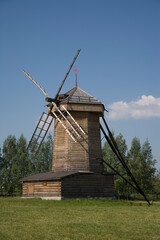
{"x": 61, "y": 97}
{"x": 30, "y": 189}
{"x": 44, "y": 184}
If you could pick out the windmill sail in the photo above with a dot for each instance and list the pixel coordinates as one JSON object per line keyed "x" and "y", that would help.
{"x": 40, "y": 132}
{"x": 67, "y": 74}
{"x": 41, "y": 126}
{"x": 65, "y": 115}
{"x": 36, "y": 83}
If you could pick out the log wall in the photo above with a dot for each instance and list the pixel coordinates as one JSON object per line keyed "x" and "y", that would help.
{"x": 67, "y": 154}
{"x": 86, "y": 153}
{"x": 88, "y": 185}
{"x": 60, "y": 148}
{"x": 42, "y": 189}
{"x": 78, "y": 154}
{"x": 95, "y": 150}
{"x": 80, "y": 185}
{"x": 98, "y": 108}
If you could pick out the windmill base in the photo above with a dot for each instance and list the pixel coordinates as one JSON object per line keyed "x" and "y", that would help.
{"x": 62, "y": 185}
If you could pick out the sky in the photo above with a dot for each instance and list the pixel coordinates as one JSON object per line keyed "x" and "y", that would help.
{"x": 119, "y": 62}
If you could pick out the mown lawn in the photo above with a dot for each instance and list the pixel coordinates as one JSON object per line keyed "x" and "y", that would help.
{"x": 78, "y": 219}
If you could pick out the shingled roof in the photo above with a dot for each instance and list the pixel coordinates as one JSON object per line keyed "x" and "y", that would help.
{"x": 77, "y": 95}
{"x": 51, "y": 175}
{"x": 48, "y": 176}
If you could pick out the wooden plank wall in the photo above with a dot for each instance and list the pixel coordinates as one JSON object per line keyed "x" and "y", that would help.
{"x": 88, "y": 185}
{"x": 67, "y": 154}
{"x": 60, "y": 148}
{"x": 78, "y": 154}
{"x": 42, "y": 189}
{"x": 98, "y": 108}
{"x": 86, "y": 153}
{"x": 95, "y": 150}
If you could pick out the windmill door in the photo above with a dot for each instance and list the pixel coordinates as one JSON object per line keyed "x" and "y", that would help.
{"x": 30, "y": 188}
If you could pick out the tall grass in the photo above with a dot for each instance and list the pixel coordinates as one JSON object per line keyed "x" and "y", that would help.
{"x": 78, "y": 219}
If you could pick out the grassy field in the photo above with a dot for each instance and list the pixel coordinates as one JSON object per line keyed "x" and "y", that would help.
{"x": 78, "y": 219}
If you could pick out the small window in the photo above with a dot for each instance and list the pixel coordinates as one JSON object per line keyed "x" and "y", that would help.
{"x": 44, "y": 184}
{"x": 61, "y": 97}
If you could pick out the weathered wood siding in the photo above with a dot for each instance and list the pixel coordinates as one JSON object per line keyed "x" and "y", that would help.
{"x": 73, "y": 186}
{"x": 60, "y": 148}
{"x": 88, "y": 185}
{"x": 95, "y": 150}
{"x": 86, "y": 153}
{"x": 78, "y": 154}
{"x": 98, "y": 108}
{"x": 42, "y": 189}
{"x": 67, "y": 154}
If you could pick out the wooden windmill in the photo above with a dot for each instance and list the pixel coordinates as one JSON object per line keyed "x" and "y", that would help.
{"x": 77, "y": 165}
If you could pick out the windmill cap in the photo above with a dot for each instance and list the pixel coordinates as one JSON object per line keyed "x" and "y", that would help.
{"x": 77, "y": 95}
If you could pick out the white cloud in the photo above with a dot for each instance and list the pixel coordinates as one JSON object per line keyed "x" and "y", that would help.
{"x": 145, "y": 107}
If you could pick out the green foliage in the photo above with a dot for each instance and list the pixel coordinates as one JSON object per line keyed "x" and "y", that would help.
{"x": 140, "y": 162}
{"x": 156, "y": 183}
{"x": 9, "y": 165}
{"x": 121, "y": 189}
{"x": 42, "y": 161}
{"x": 17, "y": 162}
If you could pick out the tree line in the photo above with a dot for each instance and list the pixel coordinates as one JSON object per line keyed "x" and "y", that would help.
{"x": 17, "y": 162}
{"x": 140, "y": 161}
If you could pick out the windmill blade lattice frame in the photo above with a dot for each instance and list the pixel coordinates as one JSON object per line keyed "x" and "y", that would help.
{"x": 40, "y": 132}
{"x": 43, "y": 131}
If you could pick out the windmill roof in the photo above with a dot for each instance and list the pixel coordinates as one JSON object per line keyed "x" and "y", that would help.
{"x": 51, "y": 175}
{"x": 77, "y": 95}
{"x": 56, "y": 175}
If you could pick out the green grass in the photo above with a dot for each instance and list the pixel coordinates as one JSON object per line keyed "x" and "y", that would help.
{"x": 78, "y": 219}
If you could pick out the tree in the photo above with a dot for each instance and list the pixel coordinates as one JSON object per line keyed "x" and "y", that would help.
{"x": 111, "y": 158}
{"x": 147, "y": 167}
{"x": 22, "y": 157}
{"x": 140, "y": 162}
{"x": 46, "y": 154}
{"x": 8, "y": 172}
{"x": 23, "y": 163}
{"x": 16, "y": 162}
{"x": 134, "y": 158}
{"x": 1, "y": 177}
{"x": 42, "y": 161}
{"x": 156, "y": 183}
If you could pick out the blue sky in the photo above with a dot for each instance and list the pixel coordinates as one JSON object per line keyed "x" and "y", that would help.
{"x": 119, "y": 62}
